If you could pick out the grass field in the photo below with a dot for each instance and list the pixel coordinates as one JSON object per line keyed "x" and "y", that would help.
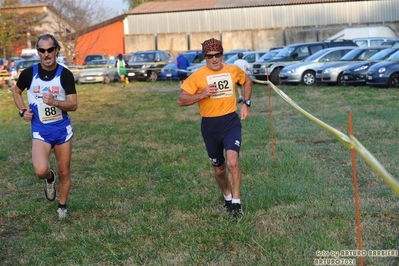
{"x": 143, "y": 191}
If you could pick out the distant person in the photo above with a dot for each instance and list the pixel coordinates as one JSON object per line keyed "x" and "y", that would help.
{"x": 4, "y": 66}
{"x": 121, "y": 65}
{"x": 51, "y": 92}
{"x": 13, "y": 74}
{"x": 244, "y": 65}
{"x": 182, "y": 64}
{"x": 212, "y": 87}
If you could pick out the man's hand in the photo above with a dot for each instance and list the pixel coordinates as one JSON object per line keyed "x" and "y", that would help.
{"x": 209, "y": 90}
{"x": 28, "y": 115}
{"x": 48, "y": 98}
{"x": 244, "y": 112}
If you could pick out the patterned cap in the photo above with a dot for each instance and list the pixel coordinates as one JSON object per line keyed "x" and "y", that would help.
{"x": 211, "y": 45}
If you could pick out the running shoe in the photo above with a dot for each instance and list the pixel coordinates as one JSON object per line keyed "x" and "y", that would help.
{"x": 62, "y": 213}
{"x": 227, "y": 206}
{"x": 236, "y": 210}
{"x": 49, "y": 188}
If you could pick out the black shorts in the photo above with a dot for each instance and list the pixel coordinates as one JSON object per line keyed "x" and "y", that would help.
{"x": 219, "y": 134}
{"x": 182, "y": 76}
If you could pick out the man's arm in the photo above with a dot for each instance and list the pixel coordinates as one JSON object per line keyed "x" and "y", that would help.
{"x": 70, "y": 104}
{"x": 247, "y": 96}
{"x": 18, "y": 100}
{"x": 247, "y": 87}
{"x": 186, "y": 99}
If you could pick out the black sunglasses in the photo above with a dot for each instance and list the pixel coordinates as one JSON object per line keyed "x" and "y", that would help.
{"x": 210, "y": 56}
{"x": 49, "y": 50}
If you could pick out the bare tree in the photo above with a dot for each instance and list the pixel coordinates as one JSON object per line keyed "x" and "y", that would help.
{"x": 80, "y": 13}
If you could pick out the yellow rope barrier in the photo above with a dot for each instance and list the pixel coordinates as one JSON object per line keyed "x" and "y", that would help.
{"x": 348, "y": 141}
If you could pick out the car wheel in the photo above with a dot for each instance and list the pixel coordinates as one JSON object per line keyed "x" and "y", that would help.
{"x": 153, "y": 76}
{"x": 308, "y": 78}
{"x": 106, "y": 80}
{"x": 340, "y": 79}
{"x": 394, "y": 81}
{"x": 274, "y": 78}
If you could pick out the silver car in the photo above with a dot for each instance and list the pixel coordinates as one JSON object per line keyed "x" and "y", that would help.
{"x": 98, "y": 71}
{"x": 333, "y": 72}
{"x": 304, "y": 72}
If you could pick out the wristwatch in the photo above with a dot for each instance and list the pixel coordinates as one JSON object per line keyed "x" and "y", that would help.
{"x": 248, "y": 103}
{"x": 21, "y": 112}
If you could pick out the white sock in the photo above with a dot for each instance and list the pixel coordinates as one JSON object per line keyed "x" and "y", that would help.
{"x": 236, "y": 201}
{"x": 228, "y": 197}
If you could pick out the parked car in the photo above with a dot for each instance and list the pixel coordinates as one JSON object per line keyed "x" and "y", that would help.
{"x": 385, "y": 73}
{"x": 92, "y": 57}
{"x": 61, "y": 58}
{"x": 261, "y": 62}
{"x": 393, "y": 43}
{"x": 372, "y": 41}
{"x": 355, "y": 74}
{"x": 292, "y": 54}
{"x": 169, "y": 72}
{"x": 96, "y": 71}
{"x": 332, "y": 73}
{"x": 22, "y": 64}
{"x": 147, "y": 65}
{"x": 304, "y": 72}
{"x": 251, "y": 57}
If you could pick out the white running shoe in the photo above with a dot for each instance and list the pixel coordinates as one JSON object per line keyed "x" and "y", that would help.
{"x": 62, "y": 213}
{"x": 49, "y": 188}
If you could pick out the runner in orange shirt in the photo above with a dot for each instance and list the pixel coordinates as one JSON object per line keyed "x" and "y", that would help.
{"x": 213, "y": 88}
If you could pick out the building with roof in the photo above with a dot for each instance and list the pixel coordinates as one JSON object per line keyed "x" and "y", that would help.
{"x": 107, "y": 38}
{"x": 51, "y": 21}
{"x": 252, "y": 24}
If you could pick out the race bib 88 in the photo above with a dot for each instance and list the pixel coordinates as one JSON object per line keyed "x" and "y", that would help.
{"x": 49, "y": 114}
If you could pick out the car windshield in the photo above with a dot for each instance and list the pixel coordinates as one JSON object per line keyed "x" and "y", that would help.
{"x": 227, "y": 56}
{"x": 381, "y": 55}
{"x": 96, "y": 63}
{"x": 394, "y": 56}
{"x": 142, "y": 57}
{"x": 286, "y": 52}
{"x": 269, "y": 55}
{"x": 314, "y": 56}
{"x": 190, "y": 57}
{"x": 231, "y": 59}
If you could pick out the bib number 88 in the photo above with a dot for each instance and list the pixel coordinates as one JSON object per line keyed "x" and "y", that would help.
{"x": 49, "y": 111}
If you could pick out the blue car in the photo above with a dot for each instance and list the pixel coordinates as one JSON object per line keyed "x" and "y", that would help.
{"x": 169, "y": 72}
{"x": 356, "y": 74}
{"x": 384, "y": 74}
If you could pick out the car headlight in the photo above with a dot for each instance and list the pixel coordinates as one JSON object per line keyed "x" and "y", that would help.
{"x": 382, "y": 70}
{"x": 361, "y": 68}
{"x": 329, "y": 70}
{"x": 292, "y": 71}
